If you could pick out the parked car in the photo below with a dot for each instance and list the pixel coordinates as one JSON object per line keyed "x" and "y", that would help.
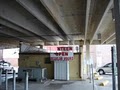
{"x": 6, "y": 66}
{"x": 105, "y": 69}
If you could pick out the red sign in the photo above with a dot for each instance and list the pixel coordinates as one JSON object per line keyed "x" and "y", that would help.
{"x": 65, "y": 54}
{"x": 64, "y": 48}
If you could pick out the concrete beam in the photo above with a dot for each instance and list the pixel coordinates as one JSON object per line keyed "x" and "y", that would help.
{"x": 56, "y": 43}
{"x": 52, "y": 8}
{"x": 39, "y": 14}
{"x": 17, "y": 28}
{"x": 112, "y": 42}
{"x": 101, "y": 21}
{"x": 49, "y": 43}
{"x": 12, "y": 15}
{"x": 63, "y": 42}
{"x": 38, "y": 43}
{"x": 77, "y": 42}
{"x": 71, "y": 42}
{"x": 87, "y": 18}
{"x": 110, "y": 39}
{"x": 96, "y": 42}
{"x": 107, "y": 34}
{"x": 11, "y": 33}
{"x": 4, "y": 40}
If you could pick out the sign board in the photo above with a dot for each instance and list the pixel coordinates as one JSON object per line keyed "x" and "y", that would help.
{"x": 65, "y": 54}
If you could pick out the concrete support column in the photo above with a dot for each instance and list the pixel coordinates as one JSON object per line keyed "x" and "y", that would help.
{"x": 81, "y": 59}
{"x": 117, "y": 27}
{"x": 88, "y": 57}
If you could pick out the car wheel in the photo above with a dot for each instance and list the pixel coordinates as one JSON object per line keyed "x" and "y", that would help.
{"x": 101, "y": 72}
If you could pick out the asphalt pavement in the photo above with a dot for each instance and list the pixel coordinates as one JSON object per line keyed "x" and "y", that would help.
{"x": 63, "y": 85}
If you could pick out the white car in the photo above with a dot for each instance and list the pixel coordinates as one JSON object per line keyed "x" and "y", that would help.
{"x": 6, "y": 66}
{"x": 105, "y": 69}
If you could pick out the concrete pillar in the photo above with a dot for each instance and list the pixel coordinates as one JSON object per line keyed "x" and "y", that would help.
{"x": 117, "y": 27}
{"x": 88, "y": 57}
{"x": 88, "y": 60}
{"x": 81, "y": 59}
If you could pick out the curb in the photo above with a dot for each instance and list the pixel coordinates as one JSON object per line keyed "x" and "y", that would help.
{"x": 99, "y": 78}
{"x": 96, "y": 74}
{"x": 104, "y": 83}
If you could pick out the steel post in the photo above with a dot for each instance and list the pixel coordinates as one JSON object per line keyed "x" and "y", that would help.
{"x": 0, "y": 76}
{"x": 6, "y": 80}
{"x": 117, "y": 29}
{"x": 26, "y": 80}
{"x": 14, "y": 80}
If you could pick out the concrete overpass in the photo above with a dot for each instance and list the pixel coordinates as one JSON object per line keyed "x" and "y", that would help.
{"x": 56, "y": 22}
{"x": 52, "y": 22}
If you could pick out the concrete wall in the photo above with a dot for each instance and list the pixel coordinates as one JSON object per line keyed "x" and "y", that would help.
{"x": 75, "y": 67}
{"x": 30, "y": 60}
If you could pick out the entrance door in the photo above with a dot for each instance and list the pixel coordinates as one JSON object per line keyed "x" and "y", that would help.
{"x": 61, "y": 70}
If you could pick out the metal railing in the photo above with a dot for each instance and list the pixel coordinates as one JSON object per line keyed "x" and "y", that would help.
{"x": 14, "y": 80}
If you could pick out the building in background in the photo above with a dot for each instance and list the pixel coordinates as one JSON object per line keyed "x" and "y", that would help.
{"x": 99, "y": 54}
{"x": 11, "y": 55}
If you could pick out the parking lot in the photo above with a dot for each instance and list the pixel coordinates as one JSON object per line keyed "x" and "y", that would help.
{"x": 105, "y": 78}
{"x": 63, "y": 85}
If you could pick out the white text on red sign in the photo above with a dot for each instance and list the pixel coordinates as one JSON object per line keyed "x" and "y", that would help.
{"x": 62, "y": 54}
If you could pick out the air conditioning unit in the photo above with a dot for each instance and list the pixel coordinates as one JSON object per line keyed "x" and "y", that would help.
{"x": 38, "y": 74}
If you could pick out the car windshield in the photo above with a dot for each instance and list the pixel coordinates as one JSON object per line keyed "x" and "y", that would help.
{"x": 6, "y": 64}
{"x": 108, "y": 65}
{"x": 3, "y": 63}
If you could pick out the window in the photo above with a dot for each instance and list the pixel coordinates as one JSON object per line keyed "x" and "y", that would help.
{"x": 47, "y": 60}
